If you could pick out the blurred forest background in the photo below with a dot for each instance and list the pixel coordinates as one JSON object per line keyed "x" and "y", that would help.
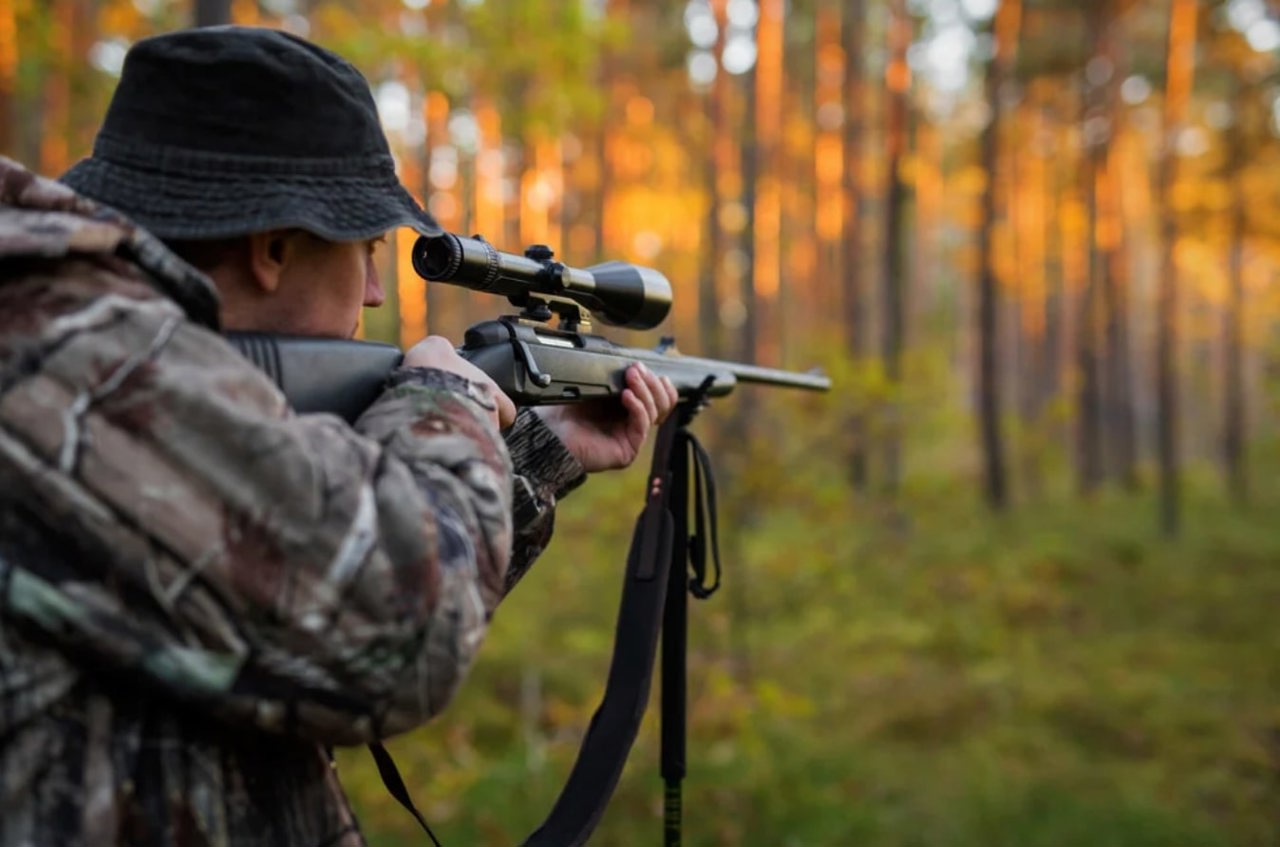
{"x": 1015, "y": 581}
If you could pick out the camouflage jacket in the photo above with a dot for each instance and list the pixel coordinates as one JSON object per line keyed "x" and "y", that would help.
{"x": 200, "y": 590}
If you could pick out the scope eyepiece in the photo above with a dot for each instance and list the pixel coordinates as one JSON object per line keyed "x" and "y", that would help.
{"x": 616, "y": 293}
{"x": 432, "y": 262}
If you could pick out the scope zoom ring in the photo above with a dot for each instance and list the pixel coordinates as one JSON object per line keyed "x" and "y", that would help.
{"x": 455, "y": 258}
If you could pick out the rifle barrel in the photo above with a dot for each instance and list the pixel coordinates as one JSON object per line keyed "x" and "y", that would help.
{"x": 808, "y": 380}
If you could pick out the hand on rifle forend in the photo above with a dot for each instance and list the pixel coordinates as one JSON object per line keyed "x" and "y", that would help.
{"x": 605, "y": 435}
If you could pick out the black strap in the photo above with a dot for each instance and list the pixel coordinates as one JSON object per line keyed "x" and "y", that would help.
{"x": 391, "y": 779}
{"x": 705, "y": 529}
{"x": 616, "y": 721}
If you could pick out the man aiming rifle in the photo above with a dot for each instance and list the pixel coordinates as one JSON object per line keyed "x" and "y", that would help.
{"x": 200, "y": 590}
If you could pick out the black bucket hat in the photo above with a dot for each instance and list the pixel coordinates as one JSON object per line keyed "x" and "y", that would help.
{"x": 224, "y": 131}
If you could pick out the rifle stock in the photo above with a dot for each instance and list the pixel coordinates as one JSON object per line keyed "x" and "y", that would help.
{"x": 321, "y": 374}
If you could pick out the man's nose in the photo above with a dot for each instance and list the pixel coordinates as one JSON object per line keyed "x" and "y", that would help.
{"x": 373, "y": 293}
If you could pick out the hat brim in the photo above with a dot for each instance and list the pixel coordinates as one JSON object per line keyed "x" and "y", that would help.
{"x": 177, "y": 206}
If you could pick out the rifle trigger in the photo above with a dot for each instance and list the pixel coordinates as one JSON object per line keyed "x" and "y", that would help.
{"x": 526, "y": 356}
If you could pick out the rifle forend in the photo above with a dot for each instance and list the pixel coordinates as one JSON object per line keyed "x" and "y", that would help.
{"x": 542, "y": 366}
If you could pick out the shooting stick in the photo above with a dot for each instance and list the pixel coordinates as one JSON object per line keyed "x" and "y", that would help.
{"x": 651, "y": 597}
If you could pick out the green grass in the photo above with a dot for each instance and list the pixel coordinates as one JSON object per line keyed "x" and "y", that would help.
{"x": 916, "y": 674}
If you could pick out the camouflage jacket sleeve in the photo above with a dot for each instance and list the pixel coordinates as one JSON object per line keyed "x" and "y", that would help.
{"x": 163, "y": 515}
{"x": 545, "y": 473}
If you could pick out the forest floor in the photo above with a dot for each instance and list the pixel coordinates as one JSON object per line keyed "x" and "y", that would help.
{"x": 926, "y": 675}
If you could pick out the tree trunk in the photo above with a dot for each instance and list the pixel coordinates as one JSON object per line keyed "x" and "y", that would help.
{"x": 1234, "y": 413}
{"x": 56, "y": 128}
{"x": 1051, "y": 354}
{"x": 8, "y": 79}
{"x": 709, "y": 324}
{"x": 1180, "y": 62}
{"x": 1120, "y": 436}
{"x": 709, "y": 260}
{"x": 598, "y": 197}
{"x": 1094, "y": 130}
{"x": 1028, "y": 186}
{"x": 212, "y": 12}
{"x": 766, "y": 270}
{"x": 853, "y": 32}
{"x": 897, "y": 86}
{"x": 610, "y": 69}
{"x": 749, "y": 168}
{"x": 995, "y": 488}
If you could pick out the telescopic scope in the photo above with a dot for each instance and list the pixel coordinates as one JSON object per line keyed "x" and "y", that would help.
{"x": 616, "y": 293}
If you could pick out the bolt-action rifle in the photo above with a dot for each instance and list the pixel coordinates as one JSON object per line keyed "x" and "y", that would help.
{"x": 537, "y": 364}
{"x": 534, "y": 363}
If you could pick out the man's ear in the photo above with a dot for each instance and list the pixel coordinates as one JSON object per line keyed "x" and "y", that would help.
{"x": 269, "y": 252}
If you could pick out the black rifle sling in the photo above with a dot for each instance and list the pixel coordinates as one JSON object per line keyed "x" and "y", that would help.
{"x": 616, "y": 721}
{"x": 395, "y": 784}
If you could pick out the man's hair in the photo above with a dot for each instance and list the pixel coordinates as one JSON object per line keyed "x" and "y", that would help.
{"x": 207, "y": 253}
